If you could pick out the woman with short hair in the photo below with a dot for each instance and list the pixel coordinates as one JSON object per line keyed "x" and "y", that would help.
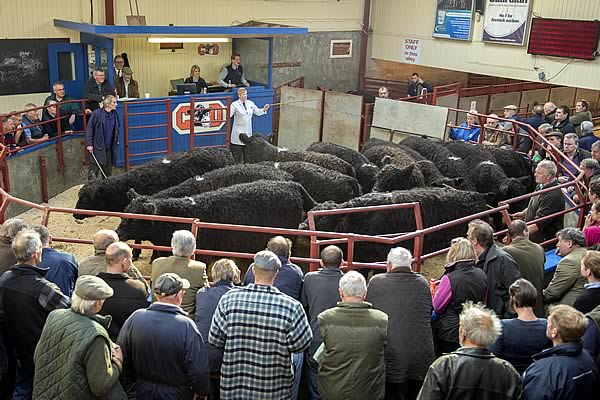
{"x": 461, "y": 282}
{"x": 524, "y": 336}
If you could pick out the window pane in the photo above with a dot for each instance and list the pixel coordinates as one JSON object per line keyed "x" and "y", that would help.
{"x": 66, "y": 66}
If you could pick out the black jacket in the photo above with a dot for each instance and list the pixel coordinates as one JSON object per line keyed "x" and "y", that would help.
{"x": 94, "y": 95}
{"x": 94, "y": 136}
{"x": 564, "y": 126}
{"x": 164, "y": 352}
{"x": 501, "y": 271}
{"x": 563, "y": 372}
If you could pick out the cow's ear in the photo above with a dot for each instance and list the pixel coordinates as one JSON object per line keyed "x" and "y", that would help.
{"x": 386, "y": 160}
{"x": 149, "y": 208}
{"x": 132, "y": 194}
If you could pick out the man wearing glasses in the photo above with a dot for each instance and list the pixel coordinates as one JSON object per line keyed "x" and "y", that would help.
{"x": 59, "y": 95}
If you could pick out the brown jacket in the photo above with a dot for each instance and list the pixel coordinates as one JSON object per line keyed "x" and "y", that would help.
{"x": 567, "y": 283}
{"x": 134, "y": 89}
{"x": 193, "y": 271}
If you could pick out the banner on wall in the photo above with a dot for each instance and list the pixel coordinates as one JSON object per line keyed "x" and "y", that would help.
{"x": 506, "y": 21}
{"x": 453, "y": 19}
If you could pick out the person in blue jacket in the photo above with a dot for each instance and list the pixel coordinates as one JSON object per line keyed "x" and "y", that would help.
{"x": 467, "y": 131}
{"x": 566, "y": 371}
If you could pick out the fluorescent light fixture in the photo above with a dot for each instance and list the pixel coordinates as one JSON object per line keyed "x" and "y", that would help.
{"x": 188, "y": 40}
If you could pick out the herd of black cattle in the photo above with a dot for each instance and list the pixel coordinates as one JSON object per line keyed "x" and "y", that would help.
{"x": 276, "y": 187}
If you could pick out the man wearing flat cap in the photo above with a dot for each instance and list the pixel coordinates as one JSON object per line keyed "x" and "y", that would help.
{"x": 125, "y": 86}
{"x": 75, "y": 358}
{"x": 283, "y": 330}
{"x": 177, "y": 367}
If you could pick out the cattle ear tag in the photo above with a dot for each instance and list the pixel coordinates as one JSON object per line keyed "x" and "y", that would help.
{"x": 166, "y": 161}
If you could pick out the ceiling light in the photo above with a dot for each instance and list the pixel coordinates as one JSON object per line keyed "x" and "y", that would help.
{"x": 188, "y": 40}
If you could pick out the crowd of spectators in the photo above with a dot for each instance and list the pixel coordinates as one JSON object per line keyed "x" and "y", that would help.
{"x": 488, "y": 328}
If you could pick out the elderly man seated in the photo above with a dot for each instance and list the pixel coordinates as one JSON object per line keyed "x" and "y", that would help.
{"x": 493, "y": 135}
{"x": 467, "y": 131}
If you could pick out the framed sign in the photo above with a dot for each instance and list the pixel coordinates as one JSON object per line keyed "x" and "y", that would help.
{"x": 340, "y": 49}
{"x": 506, "y": 22}
{"x": 453, "y": 19}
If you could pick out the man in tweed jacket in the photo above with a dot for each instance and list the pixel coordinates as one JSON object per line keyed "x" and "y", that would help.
{"x": 259, "y": 328}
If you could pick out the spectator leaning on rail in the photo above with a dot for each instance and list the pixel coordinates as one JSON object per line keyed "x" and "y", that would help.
{"x": 590, "y": 270}
{"x": 544, "y": 205}
{"x": 530, "y": 259}
{"x": 582, "y": 114}
{"x": 549, "y": 112}
{"x": 405, "y": 297}
{"x": 95, "y": 90}
{"x": 283, "y": 329}
{"x": 567, "y": 283}
{"x": 524, "y": 336}
{"x": 129, "y": 294}
{"x": 97, "y": 263}
{"x": 473, "y": 372}
{"x": 587, "y": 138}
{"x": 416, "y": 86}
{"x": 49, "y": 118}
{"x": 467, "y": 131}
{"x": 184, "y": 245}
{"x": 26, "y": 299}
{"x": 59, "y": 96}
{"x": 352, "y": 364}
{"x": 62, "y": 267}
{"x": 8, "y": 231}
{"x": 561, "y": 120}
{"x": 101, "y": 138}
{"x": 566, "y": 371}
{"x": 75, "y": 358}
{"x": 319, "y": 293}
{"x": 493, "y": 135}
{"x": 462, "y": 282}
{"x": 30, "y": 134}
{"x": 498, "y": 265}
{"x": 162, "y": 349}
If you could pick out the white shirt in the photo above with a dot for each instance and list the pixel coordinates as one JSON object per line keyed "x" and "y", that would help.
{"x": 242, "y": 122}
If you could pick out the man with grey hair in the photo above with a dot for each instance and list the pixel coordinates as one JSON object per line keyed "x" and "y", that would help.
{"x": 182, "y": 263}
{"x": 26, "y": 299}
{"x": 351, "y": 364}
{"x": 129, "y": 294}
{"x": 95, "y": 264}
{"x": 574, "y": 154}
{"x": 101, "y": 137}
{"x": 8, "y": 231}
{"x": 62, "y": 267}
{"x": 283, "y": 329}
{"x": 543, "y": 205}
{"x": 319, "y": 293}
{"x": 596, "y": 151}
{"x": 587, "y": 138}
{"x": 590, "y": 168}
{"x": 405, "y": 297}
{"x": 472, "y": 371}
{"x": 567, "y": 283}
{"x": 75, "y": 357}
{"x": 549, "y": 111}
{"x": 95, "y": 90}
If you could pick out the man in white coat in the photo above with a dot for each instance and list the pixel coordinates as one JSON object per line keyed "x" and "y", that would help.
{"x": 243, "y": 110}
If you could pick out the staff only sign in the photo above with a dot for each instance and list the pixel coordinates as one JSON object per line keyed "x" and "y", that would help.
{"x": 209, "y": 116}
{"x": 506, "y": 21}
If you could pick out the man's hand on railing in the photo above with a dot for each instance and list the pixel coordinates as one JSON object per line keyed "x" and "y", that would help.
{"x": 563, "y": 179}
{"x": 72, "y": 119}
{"x": 518, "y": 215}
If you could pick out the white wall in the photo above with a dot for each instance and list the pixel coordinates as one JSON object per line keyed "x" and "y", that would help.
{"x": 393, "y": 20}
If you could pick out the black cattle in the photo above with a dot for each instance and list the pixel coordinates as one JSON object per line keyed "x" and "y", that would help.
{"x": 111, "y": 194}
{"x": 396, "y": 177}
{"x": 261, "y": 203}
{"x": 365, "y": 170}
{"x": 438, "y": 205}
{"x": 321, "y": 183}
{"x": 488, "y": 176}
{"x": 224, "y": 177}
{"x": 445, "y": 161}
{"x": 515, "y": 165}
{"x": 258, "y": 150}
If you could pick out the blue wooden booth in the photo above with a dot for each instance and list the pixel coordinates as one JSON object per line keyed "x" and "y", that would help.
{"x": 148, "y": 120}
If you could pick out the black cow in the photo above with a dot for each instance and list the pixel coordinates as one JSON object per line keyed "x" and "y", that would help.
{"x": 438, "y": 205}
{"x": 261, "y": 203}
{"x": 111, "y": 194}
{"x": 445, "y": 161}
{"x": 515, "y": 165}
{"x": 258, "y": 149}
{"x": 365, "y": 170}
{"x": 224, "y": 177}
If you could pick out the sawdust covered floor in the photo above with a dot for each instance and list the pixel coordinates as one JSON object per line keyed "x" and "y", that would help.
{"x": 64, "y": 225}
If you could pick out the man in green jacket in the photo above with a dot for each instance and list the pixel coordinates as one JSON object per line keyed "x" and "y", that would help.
{"x": 351, "y": 363}
{"x": 567, "y": 283}
{"x": 75, "y": 358}
{"x": 59, "y": 95}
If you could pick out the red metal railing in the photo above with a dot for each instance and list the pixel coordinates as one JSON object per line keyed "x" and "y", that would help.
{"x": 127, "y": 141}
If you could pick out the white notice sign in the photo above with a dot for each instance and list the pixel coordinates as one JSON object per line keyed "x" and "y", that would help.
{"x": 411, "y": 51}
